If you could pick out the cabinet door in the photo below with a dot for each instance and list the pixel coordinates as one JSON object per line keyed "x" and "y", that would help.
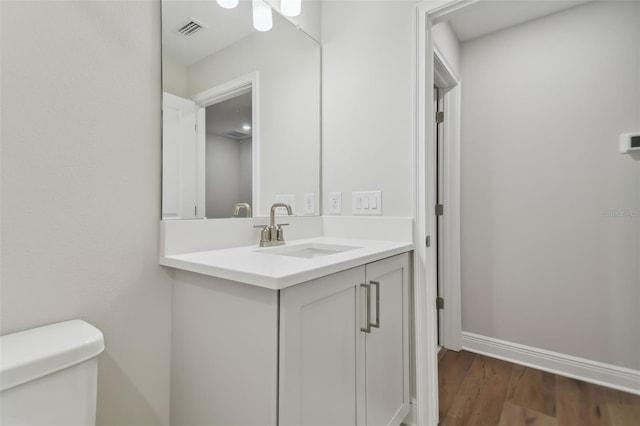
{"x": 321, "y": 351}
{"x": 387, "y": 347}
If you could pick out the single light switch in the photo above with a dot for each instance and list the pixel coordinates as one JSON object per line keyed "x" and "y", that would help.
{"x": 365, "y": 202}
{"x": 373, "y": 202}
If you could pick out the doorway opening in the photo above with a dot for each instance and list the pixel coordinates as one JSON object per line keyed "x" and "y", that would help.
{"x": 211, "y": 152}
{"x": 228, "y": 148}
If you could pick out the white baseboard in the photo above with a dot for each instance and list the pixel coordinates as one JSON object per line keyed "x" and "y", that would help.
{"x": 410, "y": 420}
{"x": 599, "y": 373}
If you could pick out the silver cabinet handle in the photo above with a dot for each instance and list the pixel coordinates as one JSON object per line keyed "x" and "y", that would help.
{"x": 377, "y": 285}
{"x": 367, "y": 310}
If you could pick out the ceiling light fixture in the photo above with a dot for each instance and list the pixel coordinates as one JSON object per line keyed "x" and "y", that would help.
{"x": 227, "y": 4}
{"x": 262, "y": 18}
{"x": 291, "y": 7}
{"x": 246, "y": 127}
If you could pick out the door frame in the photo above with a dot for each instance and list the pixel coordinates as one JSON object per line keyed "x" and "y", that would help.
{"x": 428, "y": 13}
{"x": 448, "y": 81}
{"x": 223, "y": 92}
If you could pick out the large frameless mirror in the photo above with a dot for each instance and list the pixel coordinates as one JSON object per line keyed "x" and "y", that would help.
{"x": 241, "y": 113}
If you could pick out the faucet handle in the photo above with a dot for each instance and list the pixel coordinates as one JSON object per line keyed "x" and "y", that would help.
{"x": 280, "y": 232}
{"x": 265, "y": 234}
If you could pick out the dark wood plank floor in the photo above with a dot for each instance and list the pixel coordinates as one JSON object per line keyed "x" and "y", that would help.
{"x": 476, "y": 390}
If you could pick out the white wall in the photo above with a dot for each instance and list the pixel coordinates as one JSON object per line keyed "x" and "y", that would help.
{"x": 367, "y": 112}
{"x": 81, "y": 189}
{"x": 174, "y": 78}
{"x": 542, "y": 263}
{"x": 289, "y": 105}
{"x": 447, "y": 43}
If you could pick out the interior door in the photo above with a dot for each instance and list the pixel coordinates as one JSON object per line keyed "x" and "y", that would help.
{"x": 180, "y": 158}
{"x": 439, "y": 138}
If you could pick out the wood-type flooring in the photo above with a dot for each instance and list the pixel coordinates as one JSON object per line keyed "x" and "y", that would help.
{"x": 476, "y": 390}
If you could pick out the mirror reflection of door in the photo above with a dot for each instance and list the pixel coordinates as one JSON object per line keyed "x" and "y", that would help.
{"x": 228, "y": 181}
{"x": 180, "y": 163}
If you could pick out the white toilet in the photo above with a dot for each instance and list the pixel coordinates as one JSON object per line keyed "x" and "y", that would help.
{"x": 49, "y": 375}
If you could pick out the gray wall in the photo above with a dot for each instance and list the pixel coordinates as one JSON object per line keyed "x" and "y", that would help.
{"x": 542, "y": 107}
{"x": 228, "y": 175}
{"x": 246, "y": 171}
{"x": 81, "y": 189}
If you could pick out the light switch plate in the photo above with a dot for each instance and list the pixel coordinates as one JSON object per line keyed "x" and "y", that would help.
{"x": 366, "y": 203}
{"x": 288, "y": 199}
{"x": 309, "y": 203}
{"x": 335, "y": 203}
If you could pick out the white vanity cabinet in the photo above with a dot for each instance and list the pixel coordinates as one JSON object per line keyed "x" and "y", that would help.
{"x": 244, "y": 354}
{"x": 344, "y": 347}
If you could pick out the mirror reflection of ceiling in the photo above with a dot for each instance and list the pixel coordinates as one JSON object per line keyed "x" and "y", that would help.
{"x": 485, "y": 17}
{"x": 230, "y": 118}
{"x": 222, "y": 27}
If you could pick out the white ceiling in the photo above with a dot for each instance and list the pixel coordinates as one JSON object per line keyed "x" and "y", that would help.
{"x": 227, "y": 26}
{"x": 224, "y": 27}
{"x": 488, "y": 16}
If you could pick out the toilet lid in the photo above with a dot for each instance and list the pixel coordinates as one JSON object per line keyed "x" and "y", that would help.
{"x": 30, "y": 354}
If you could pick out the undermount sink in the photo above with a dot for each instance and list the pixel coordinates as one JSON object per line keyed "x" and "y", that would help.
{"x": 308, "y": 251}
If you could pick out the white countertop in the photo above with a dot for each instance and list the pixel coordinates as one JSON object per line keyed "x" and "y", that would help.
{"x": 261, "y": 267}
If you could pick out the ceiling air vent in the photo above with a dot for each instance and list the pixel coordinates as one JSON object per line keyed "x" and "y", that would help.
{"x": 190, "y": 28}
{"x": 236, "y": 135}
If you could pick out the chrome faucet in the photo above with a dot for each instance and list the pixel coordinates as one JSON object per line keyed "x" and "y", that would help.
{"x": 273, "y": 234}
{"x": 247, "y": 207}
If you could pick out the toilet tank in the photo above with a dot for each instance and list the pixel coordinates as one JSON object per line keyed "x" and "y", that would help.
{"x": 49, "y": 375}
